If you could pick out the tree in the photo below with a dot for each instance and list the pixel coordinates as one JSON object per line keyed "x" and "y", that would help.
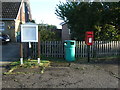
{"x": 108, "y": 32}
{"x": 46, "y": 33}
{"x": 33, "y": 21}
{"x": 47, "y": 27}
{"x": 86, "y": 16}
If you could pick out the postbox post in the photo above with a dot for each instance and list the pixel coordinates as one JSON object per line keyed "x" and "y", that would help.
{"x": 88, "y": 50}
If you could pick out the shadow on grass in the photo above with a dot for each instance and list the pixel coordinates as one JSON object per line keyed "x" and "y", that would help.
{"x": 61, "y": 62}
{"x": 101, "y": 60}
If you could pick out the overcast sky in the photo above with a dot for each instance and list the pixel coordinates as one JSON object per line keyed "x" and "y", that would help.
{"x": 43, "y": 11}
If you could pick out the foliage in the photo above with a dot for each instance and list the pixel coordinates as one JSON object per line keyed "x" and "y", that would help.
{"x": 27, "y": 64}
{"x": 47, "y": 27}
{"x": 46, "y": 35}
{"x": 91, "y": 16}
{"x": 47, "y": 32}
{"x": 107, "y": 32}
{"x": 33, "y": 21}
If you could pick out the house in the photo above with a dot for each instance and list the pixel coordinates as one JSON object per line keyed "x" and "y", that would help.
{"x": 65, "y": 32}
{"x": 13, "y": 14}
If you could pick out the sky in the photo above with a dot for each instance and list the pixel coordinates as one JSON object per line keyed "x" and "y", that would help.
{"x": 43, "y": 11}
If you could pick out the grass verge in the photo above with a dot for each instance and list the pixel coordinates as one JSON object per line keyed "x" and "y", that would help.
{"x": 28, "y": 64}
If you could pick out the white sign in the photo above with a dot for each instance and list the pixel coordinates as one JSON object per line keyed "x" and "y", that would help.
{"x": 29, "y": 32}
{"x": 90, "y": 40}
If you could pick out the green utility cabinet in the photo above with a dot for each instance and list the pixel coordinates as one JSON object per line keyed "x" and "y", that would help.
{"x": 69, "y": 46}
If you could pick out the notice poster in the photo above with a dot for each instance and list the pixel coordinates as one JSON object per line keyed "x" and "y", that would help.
{"x": 29, "y": 33}
{"x": 90, "y": 40}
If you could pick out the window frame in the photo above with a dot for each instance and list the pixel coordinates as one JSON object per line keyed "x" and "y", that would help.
{"x": 2, "y": 24}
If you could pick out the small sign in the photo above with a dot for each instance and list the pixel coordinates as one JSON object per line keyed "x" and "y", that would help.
{"x": 90, "y": 40}
{"x": 89, "y": 37}
{"x": 29, "y": 32}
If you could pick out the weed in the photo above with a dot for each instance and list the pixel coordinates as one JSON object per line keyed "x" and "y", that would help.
{"x": 27, "y": 64}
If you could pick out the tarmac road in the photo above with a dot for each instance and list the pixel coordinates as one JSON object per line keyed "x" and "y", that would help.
{"x": 75, "y": 76}
{"x": 9, "y": 52}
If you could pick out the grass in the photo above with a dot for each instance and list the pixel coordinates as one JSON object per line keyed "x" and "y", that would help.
{"x": 51, "y": 61}
{"x": 27, "y": 64}
{"x": 95, "y": 58}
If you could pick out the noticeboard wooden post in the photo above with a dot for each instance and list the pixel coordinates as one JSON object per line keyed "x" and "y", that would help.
{"x": 38, "y": 47}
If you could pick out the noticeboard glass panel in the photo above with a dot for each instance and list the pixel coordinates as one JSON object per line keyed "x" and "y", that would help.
{"x": 29, "y": 33}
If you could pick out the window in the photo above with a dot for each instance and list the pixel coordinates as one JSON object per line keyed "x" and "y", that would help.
{"x": 2, "y": 26}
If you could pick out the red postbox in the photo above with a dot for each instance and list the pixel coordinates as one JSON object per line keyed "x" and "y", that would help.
{"x": 89, "y": 37}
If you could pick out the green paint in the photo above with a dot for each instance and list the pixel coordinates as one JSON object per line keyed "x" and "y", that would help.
{"x": 70, "y": 50}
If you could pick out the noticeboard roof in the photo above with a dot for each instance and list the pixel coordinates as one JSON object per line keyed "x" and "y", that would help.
{"x": 29, "y": 23}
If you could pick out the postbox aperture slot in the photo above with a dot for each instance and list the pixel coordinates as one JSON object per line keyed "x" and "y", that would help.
{"x": 72, "y": 43}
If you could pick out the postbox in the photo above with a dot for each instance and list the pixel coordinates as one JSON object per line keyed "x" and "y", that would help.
{"x": 89, "y": 37}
